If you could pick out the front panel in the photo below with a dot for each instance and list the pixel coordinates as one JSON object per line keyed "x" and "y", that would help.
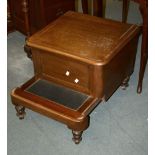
{"x": 63, "y": 70}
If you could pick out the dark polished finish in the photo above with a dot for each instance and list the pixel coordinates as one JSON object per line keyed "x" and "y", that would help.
{"x": 20, "y": 111}
{"x": 29, "y": 16}
{"x": 10, "y": 24}
{"x": 18, "y": 16}
{"x": 144, "y": 46}
{"x": 99, "y": 7}
{"x": 25, "y": 10}
{"x": 77, "y": 56}
{"x": 143, "y": 6}
{"x": 99, "y": 10}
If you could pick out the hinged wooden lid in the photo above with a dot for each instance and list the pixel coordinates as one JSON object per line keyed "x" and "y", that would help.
{"x": 84, "y": 37}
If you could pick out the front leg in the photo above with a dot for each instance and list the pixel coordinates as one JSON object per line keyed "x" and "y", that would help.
{"x": 78, "y": 128}
{"x": 20, "y": 111}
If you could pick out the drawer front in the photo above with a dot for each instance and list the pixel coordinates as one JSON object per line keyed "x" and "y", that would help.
{"x": 73, "y": 73}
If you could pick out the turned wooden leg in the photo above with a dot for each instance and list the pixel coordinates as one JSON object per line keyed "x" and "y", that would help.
{"x": 144, "y": 47}
{"x": 141, "y": 73}
{"x": 20, "y": 111}
{"x": 77, "y": 136}
{"x": 125, "y": 83}
{"x": 78, "y": 128}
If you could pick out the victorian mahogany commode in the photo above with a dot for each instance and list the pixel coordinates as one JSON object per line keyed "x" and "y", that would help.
{"x": 79, "y": 60}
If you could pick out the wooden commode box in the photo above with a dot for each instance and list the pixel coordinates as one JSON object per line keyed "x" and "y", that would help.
{"x": 79, "y": 60}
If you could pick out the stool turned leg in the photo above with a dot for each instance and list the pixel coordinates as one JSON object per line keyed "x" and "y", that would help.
{"x": 20, "y": 111}
{"x": 78, "y": 128}
{"x": 77, "y": 136}
{"x": 125, "y": 83}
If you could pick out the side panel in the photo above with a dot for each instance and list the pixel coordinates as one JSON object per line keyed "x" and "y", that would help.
{"x": 110, "y": 76}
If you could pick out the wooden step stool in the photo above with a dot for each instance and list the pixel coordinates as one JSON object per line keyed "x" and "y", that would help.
{"x": 79, "y": 60}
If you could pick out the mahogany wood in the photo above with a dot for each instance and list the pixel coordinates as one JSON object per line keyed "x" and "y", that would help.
{"x": 98, "y": 8}
{"x": 25, "y": 10}
{"x": 143, "y": 6}
{"x": 29, "y": 16}
{"x": 10, "y": 24}
{"x": 84, "y": 53}
{"x": 144, "y": 46}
